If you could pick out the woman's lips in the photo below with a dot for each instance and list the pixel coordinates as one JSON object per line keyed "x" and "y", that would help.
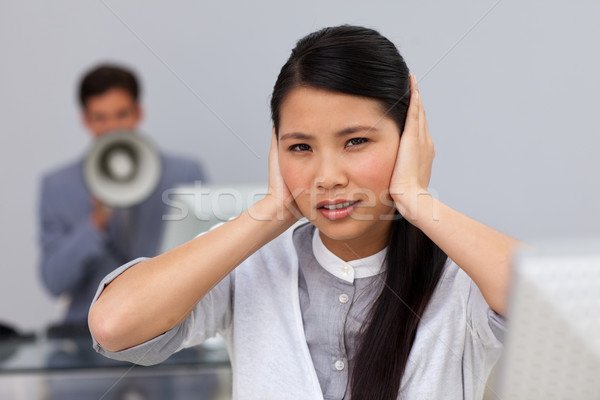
{"x": 336, "y": 209}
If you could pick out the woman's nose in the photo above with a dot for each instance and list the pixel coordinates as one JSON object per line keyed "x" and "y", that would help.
{"x": 331, "y": 173}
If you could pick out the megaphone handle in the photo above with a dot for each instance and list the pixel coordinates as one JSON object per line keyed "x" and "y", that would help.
{"x": 125, "y": 218}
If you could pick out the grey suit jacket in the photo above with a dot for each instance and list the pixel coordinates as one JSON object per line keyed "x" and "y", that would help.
{"x": 75, "y": 256}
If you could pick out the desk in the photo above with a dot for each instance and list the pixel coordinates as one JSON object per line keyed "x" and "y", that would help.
{"x": 67, "y": 367}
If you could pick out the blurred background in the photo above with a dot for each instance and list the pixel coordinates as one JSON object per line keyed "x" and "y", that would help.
{"x": 511, "y": 91}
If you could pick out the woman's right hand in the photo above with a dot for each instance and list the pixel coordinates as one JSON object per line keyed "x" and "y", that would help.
{"x": 279, "y": 202}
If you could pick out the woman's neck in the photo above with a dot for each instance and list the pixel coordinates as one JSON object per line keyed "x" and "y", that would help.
{"x": 354, "y": 249}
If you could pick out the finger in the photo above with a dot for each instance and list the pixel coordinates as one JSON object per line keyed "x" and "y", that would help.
{"x": 421, "y": 110}
{"x": 274, "y": 150}
{"x": 422, "y": 120}
{"x": 273, "y": 140}
{"x": 412, "y": 81}
{"x": 272, "y": 159}
{"x": 274, "y": 173}
{"x": 427, "y": 135}
{"x": 423, "y": 126}
{"x": 411, "y": 126}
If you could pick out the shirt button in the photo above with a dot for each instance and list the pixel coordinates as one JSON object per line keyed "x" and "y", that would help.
{"x": 339, "y": 365}
{"x": 344, "y": 298}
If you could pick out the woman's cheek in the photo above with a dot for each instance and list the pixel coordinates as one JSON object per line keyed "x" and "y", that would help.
{"x": 374, "y": 171}
{"x": 292, "y": 174}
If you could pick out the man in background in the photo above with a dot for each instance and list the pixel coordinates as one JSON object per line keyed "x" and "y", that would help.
{"x": 82, "y": 240}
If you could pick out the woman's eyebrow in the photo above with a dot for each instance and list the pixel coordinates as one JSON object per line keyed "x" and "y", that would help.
{"x": 346, "y": 131}
{"x": 296, "y": 135}
{"x": 357, "y": 128}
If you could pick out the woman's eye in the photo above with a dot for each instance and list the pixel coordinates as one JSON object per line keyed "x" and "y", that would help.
{"x": 356, "y": 141}
{"x": 300, "y": 147}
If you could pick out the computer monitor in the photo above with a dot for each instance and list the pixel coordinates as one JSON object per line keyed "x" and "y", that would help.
{"x": 195, "y": 208}
{"x": 552, "y": 346}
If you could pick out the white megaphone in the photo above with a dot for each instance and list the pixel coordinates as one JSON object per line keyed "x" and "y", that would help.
{"x": 122, "y": 168}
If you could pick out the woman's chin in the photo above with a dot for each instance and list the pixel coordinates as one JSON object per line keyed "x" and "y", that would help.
{"x": 341, "y": 230}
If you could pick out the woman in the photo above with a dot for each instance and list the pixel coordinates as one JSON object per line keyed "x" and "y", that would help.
{"x": 385, "y": 293}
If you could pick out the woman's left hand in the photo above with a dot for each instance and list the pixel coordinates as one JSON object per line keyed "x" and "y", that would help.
{"x": 482, "y": 252}
{"x": 412, "y": 171}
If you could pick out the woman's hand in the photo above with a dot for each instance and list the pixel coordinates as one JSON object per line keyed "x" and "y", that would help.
{"x": 412, "y": 171}
{"x": 482, "y": 252}
{"x": 279, "y": 202}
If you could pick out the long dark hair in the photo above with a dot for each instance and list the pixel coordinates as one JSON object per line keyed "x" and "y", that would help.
{"x": 360, "y": 61}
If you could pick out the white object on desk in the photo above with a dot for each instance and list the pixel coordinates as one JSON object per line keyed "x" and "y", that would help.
{"x": 553, "y": 339}
{"x": 193, "y": 209}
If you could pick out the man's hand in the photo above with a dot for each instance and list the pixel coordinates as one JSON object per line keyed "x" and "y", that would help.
{"x": 101, "y": 214}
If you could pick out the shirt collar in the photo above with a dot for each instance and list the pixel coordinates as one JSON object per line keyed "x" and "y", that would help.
{"x": 347, "y": 270}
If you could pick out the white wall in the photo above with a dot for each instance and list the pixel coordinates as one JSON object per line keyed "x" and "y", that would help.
{"x": 511, "y": 92}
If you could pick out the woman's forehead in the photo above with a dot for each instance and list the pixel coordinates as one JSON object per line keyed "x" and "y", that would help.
{"x": 309, "y": 110}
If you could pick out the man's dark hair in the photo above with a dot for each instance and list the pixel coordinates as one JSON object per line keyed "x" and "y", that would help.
{"x": 104, "y": 77}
